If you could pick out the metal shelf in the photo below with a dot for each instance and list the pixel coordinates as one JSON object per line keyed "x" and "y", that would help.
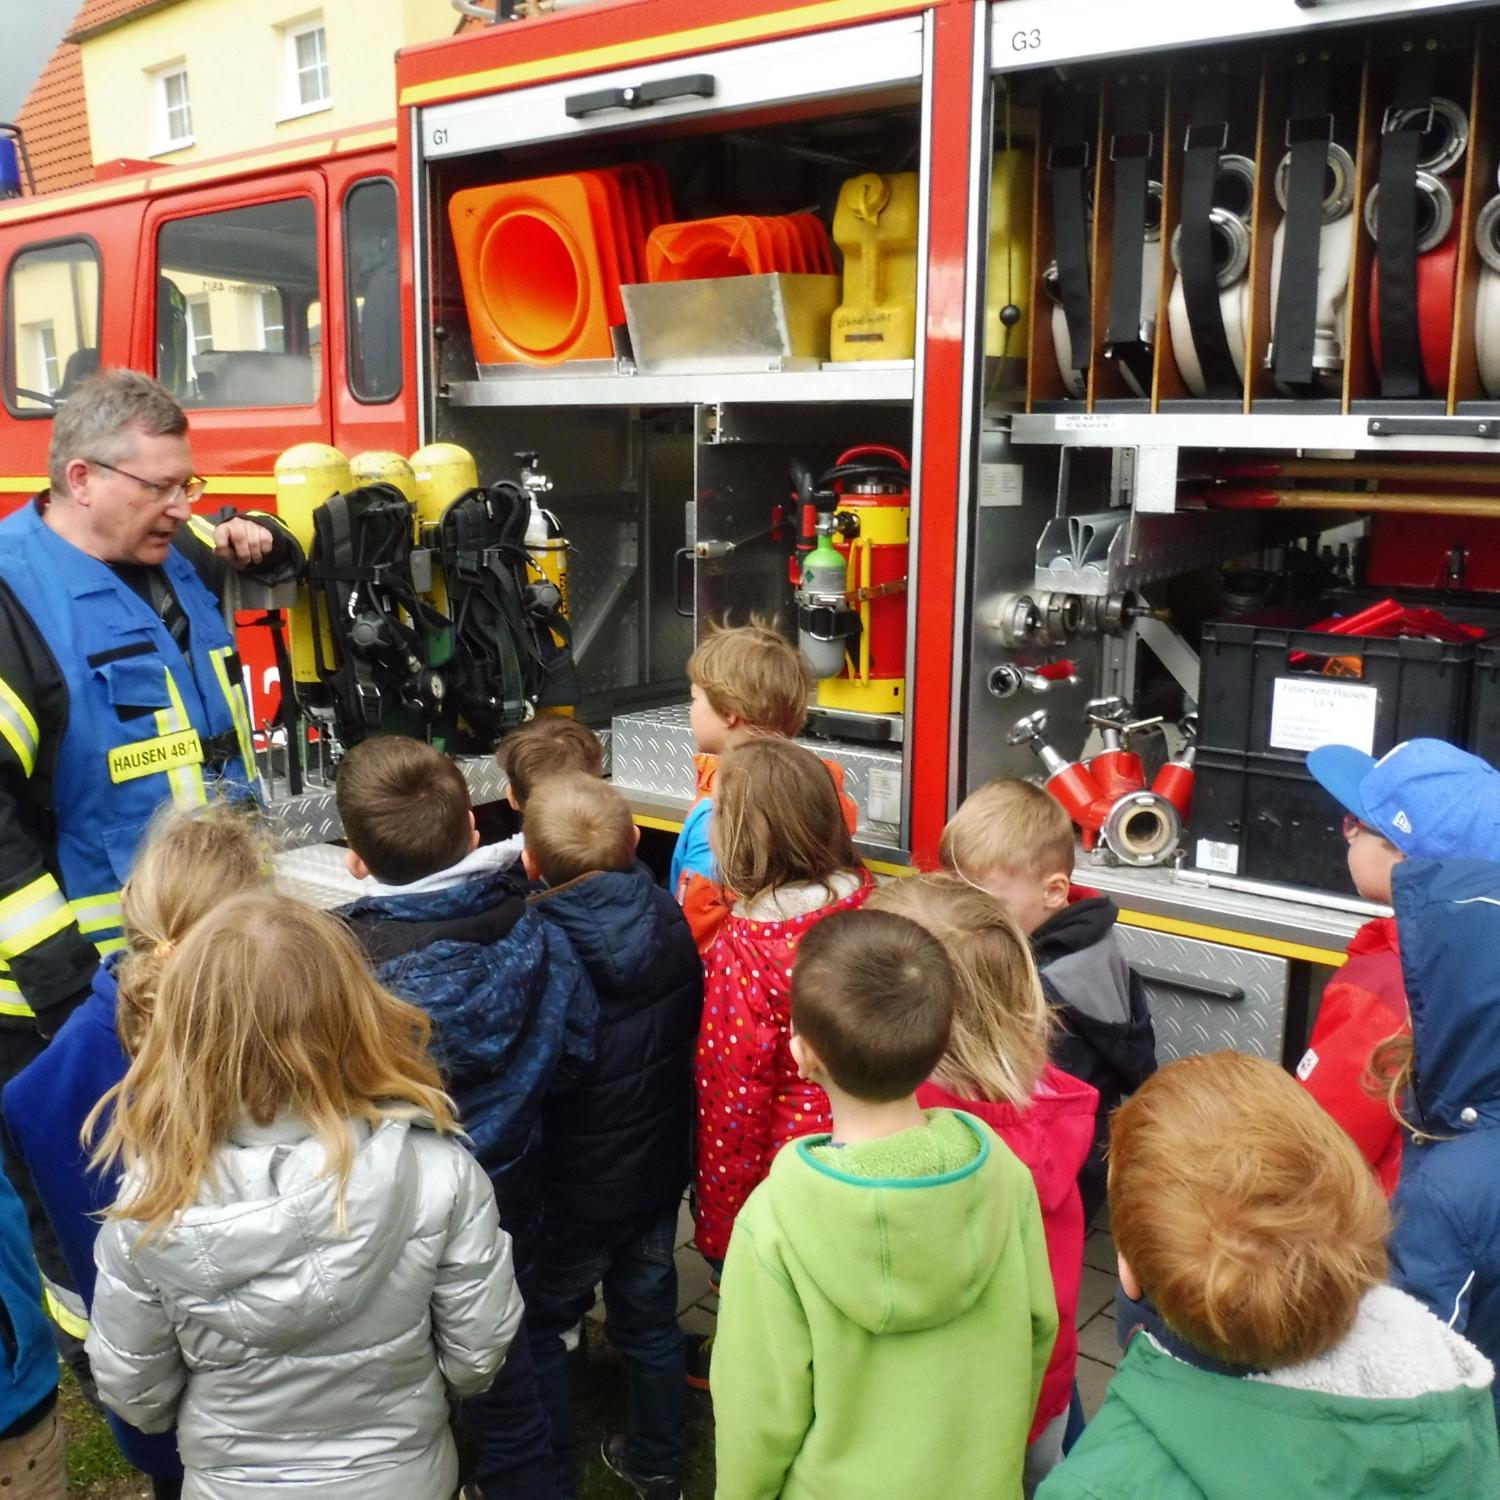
{"x": 1281, "y": 431}
{"x": 854, "y": 382}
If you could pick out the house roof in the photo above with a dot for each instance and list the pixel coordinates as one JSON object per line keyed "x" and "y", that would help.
{"x": 54, "y": 122}
{"x": 95, "y": 16}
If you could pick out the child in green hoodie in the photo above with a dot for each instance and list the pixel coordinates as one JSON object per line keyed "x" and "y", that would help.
{"x": 1271, "y": 1358}
{"x": 897, "y": 1266}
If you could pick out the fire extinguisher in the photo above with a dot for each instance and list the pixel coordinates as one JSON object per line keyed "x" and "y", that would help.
{"x": 851, "y": 585}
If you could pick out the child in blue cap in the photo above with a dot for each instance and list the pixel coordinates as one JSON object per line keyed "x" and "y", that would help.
{"x": 1426, "y": 799}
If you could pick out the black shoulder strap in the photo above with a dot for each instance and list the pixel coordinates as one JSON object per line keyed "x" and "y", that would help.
{"x": 1309, "y": 129}
{"x": 1207, "y": 138}
{"x": 1070, "y": 162}
{"x": 1130, "y": 148}
{"x": 1401, "y": 132}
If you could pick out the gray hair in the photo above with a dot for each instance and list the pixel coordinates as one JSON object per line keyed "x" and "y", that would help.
{"x": 97, "y": 421}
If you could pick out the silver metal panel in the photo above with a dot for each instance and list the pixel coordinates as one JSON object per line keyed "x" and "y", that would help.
{"x": 652, "y": 753}
{"x": 1031, "y": 33}
{"x": 313, "y": 817}
{"x": 1189, "y": 1020}
{"x": 796, "y": 69}
{"x": 1325, "y": 433}
{"x": 885, "y": 381}
{"x": 317, "y": 875}
{"x": 1184, "y": 895}
{"x": 751, "y": 324}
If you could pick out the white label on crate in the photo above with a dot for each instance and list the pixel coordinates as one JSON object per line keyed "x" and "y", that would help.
{"x": 999, "y": 484}
{"x": 1088, "y": 421}
{"x": 883, "y": 794}
{"x": 1222, "y": 859}
{"x": 1307, "y": 712}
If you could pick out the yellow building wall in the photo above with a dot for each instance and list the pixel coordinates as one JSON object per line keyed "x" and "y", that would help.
{"x": 240, "y": 84}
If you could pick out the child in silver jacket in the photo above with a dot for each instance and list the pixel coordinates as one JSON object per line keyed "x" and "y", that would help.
{"x": 303, "y": 1264}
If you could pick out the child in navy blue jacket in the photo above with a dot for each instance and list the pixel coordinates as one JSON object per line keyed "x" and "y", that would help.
{"x": 188, "y": 863}
{"x": 618, "y": 1132}
{"x": 447, "y": 929}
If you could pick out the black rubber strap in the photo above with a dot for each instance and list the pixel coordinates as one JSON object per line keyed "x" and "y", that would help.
{"x": 1207, "y": 137}
{"x": 1070, "y": 165}
{"x": 1130, "y": 148}
{"x": 1309, "y": 129}
{"x": 1396, "y": 245}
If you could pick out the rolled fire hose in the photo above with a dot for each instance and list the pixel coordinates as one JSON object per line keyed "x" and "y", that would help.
{"x": 1074, "y": 379}
{"x": 1335, "y": 261}
{"x": 1487, "y": 306}
{"x": 1437, "y": 276}
{"x": 1232, "y": 268}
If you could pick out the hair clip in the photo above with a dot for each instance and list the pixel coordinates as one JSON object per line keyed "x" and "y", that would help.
{"x": 164, "y": 949}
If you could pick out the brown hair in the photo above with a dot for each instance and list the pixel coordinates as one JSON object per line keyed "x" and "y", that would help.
{"x": 873, "y": 996}
{"x": 1008, "y": 825}
{"x": 777, "y": 819}
{"x": 577, "y": 824}
{"x": 1248, "y": 1216}
{"x": 548, "y": 745}
{"x": 1001, "y": 1023}
{"x": 189, "y": 861}
{"x": 266, "y": 1007}
{"x": 753, "y": 672}
{"x": 405, "y": 808}
{"x": 1391, "y": 1075}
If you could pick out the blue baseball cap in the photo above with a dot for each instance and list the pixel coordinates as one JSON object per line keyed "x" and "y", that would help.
{"x": 1429, "y": 798}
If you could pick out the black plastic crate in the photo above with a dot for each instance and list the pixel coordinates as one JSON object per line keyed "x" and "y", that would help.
{"x": 1257, "y": 812}
{"x": 1421, "y": 687}
{"x": 1265, "y": 819}
{"x": 1484, "y": 703}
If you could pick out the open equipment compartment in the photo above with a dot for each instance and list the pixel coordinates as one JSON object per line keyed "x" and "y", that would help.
{"x": 673, "y": 481}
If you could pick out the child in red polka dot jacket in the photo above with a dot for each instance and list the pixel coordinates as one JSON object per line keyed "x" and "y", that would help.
{"x": 784, "y": 849}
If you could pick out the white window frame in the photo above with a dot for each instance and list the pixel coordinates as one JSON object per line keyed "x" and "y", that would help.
{"x": 44, "y": 340}
{"x": 264, "y": 326}
{"x": 293, "y": 105}
{"x": 161, "y": 78}
{"x": 198, "y": 340}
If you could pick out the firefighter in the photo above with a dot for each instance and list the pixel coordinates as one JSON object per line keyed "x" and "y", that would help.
{"x": 119, "y": 687}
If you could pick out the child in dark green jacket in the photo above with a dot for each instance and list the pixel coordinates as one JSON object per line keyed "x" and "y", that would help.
{"x": 897, "y": 1266}
{"x": 1269, "y": 1358}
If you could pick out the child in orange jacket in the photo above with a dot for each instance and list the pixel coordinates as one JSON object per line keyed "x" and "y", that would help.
{"x": 747, "y": 683}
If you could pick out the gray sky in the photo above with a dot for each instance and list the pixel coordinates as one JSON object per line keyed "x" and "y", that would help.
{"x": 32, "y": 28}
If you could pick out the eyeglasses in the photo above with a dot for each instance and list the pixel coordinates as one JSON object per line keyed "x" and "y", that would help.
{"x": 166, "y": 491}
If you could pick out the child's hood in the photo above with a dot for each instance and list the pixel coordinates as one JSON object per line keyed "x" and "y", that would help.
{"x": 1449, "y": 917}
{"x": 1400, "y": 1400}
{"x": 896, "y": 1255}
{"x": 260, "y": 1257}
{"x": 614, "y": 920}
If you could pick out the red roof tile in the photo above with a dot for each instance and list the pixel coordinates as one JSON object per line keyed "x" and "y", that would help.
{"x": 54, "y": 121}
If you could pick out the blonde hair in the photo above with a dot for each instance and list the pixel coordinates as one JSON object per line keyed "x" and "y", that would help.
{"x": 777, "y": 820}
{"x": 1008, "y": 825}
{"x": 1248, "y": 1216}
{"x": 577, "y": 824}
{"x": 754, "y": 673}
{"x": 1001, "y": 1022}
{"x": 548, "y": 745}
{"x": 189, "y": 861}
{"x": 266, "y": 1007}
{"x": 1391, "y": 1076}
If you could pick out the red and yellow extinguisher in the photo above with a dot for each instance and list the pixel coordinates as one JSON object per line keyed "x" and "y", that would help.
{"x": 872, "y": 528}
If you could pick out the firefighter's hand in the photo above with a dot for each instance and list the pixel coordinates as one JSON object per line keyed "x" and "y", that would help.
{"x": 242, "y": 543}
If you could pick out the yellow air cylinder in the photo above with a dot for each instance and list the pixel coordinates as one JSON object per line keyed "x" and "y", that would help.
{"x": 441, "y": 472}
{"x": 1008, "y": 282}
{"x": 875, "y": 225}
{"x": 379, "y": 467}
{"x": 306, "y": 475}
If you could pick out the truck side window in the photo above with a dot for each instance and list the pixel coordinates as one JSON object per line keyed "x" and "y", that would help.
{"x": 239, "y": 315}
{"x": 52, "y": 318}
{"x": 372, "y": 270}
